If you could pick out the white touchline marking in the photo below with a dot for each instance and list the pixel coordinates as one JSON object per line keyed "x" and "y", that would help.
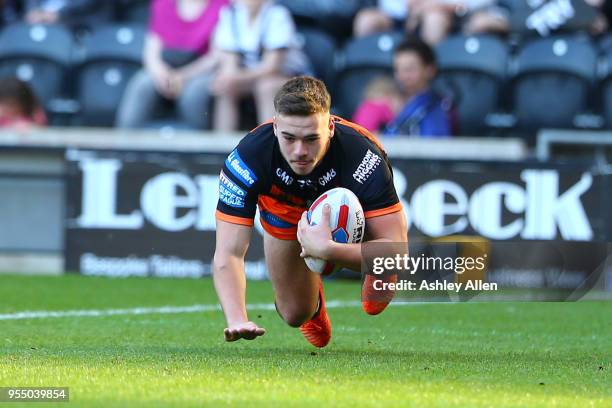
{"x": 44, "y": 314}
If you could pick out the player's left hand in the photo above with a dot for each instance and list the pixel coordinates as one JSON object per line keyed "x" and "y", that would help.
{"x": 246, "y": 330}
{"x": 315, "y": 239}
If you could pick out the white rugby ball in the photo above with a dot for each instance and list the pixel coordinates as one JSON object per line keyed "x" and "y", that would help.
{"x": 346, "y": 221}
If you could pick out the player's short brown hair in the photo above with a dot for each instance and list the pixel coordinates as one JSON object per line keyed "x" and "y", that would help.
{"x": 302, "y": 96}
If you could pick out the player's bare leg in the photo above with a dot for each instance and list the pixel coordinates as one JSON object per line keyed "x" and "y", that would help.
{"x": 299, "y": 291}
{"x": 295, "y": 286}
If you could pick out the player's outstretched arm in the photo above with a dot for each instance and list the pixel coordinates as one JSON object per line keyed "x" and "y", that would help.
{"x": 230, "y": 281}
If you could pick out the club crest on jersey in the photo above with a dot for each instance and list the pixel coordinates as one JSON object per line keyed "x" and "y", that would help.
{"x": 237, "y": 166}
{"x": 285, "y": 178}
{"x": 327, "y": 177}
{"x": 367, "y": 166}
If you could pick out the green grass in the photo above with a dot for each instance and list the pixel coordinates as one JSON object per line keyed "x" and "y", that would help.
{"x": 441, "y": 355}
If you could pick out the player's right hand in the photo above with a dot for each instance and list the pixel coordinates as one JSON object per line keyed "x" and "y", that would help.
{"x": 246, "y": 330}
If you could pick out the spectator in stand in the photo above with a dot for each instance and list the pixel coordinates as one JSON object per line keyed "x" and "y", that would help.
{"x": 178, "y": 63}
{"x": 382, "y": 101}
{"x": 434, "y": 19}
{"x": 387, "y": 16}
{"x": 75, "y": 13}
{"x": 260, "y": 52}
{"x": 19, "y": 107}
{"x": 422, "y": 112}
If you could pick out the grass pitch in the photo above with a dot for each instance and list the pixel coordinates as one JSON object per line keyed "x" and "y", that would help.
{"x": 442, "y": 355}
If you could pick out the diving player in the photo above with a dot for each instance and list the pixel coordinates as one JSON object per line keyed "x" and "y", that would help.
{"x": 281, "y": 167}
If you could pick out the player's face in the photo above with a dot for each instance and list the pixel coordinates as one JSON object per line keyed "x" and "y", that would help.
{"x": 412, "y": 73}
{"x": 303, "y": 140}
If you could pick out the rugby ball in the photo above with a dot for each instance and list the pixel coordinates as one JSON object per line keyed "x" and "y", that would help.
{"x": 346, "y": 221}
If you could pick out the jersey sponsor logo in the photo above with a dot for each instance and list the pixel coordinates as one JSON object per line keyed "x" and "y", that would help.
{"x": 282, "y": 174}
{"x": 327, "y": 177}
{"x": 230, "y": 185}
{"x": 367, "y": 166}
{"x": 237, "y": 166}
{"x": 227, "y": 197}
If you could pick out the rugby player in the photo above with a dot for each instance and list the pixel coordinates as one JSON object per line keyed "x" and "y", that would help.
{"x": 282, "y": 166}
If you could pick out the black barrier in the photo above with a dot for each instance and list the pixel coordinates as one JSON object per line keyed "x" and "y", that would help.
{"x": 152, "y": 214}
{"x": 143, "y": 214}
{"x": 505, "y": 201}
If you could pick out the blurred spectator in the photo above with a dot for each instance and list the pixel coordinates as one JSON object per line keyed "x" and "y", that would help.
{"x": 408, "y": 105}
{"x": 435, "y": 19}
{"x": 178, "y": 63}
{"x": 259, "y": 53}
{"x": 75, "y": 13}
{"x": 424, "y": 112}
{"x": 382, "y": 101}
{"x": 19, "y": 107}
{"x": 389, "y": 15}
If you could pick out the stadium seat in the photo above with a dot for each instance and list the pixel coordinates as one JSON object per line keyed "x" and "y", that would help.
{"x": 551, "y": 82}
{"x": 321, "y": 49}
{"x": 39, "y": 55}
{"x": 132, "y": 11}
{"x": 111, "y": 55}
{"x": 473, "y": 68}
{"x": 604, "y": 87}
{"x": 604, "y": 43}
{"x": 362, "y": 60}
